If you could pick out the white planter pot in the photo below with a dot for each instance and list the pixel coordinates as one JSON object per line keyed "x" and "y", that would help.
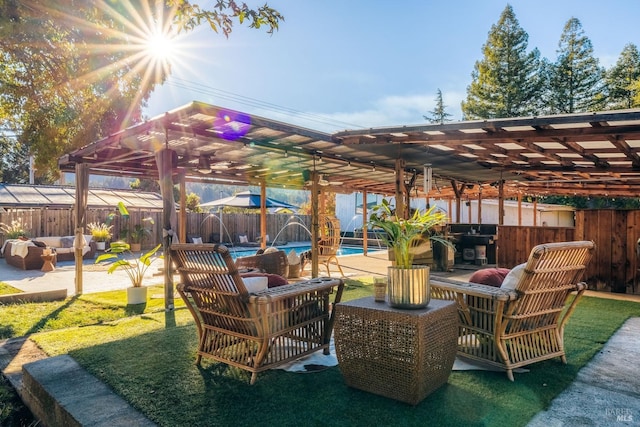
{"x": 101, "y": 246}
{"x": 409, "y": 287}
{"x": 136, "y": 295}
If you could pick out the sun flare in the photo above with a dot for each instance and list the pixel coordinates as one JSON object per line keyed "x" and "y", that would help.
{"x": 160, "y": 46}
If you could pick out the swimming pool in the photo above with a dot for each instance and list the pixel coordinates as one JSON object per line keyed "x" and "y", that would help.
{"x": 238, "y": 251}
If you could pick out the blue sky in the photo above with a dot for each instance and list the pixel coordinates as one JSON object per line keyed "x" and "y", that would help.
{"x": 337, "y": 65}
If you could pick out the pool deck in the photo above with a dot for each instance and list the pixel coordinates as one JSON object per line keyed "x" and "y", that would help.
{"x": 96, "y": 279}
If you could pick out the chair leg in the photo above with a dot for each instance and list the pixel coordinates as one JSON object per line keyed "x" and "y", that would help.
{"x": 510, "y": 374}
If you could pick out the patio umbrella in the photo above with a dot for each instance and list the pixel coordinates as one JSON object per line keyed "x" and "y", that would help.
{"x": 246, "y": 200}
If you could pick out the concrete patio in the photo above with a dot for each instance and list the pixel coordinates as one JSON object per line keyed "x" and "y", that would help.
{"x": 606, "y": 391}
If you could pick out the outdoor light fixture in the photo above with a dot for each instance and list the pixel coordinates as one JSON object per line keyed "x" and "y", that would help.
{"x": 203, "y": 165}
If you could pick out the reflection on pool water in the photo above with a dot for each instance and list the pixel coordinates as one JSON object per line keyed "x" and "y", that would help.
{"x": 237, "y": 252}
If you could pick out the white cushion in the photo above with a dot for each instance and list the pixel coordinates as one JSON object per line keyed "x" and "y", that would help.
{"x": 244, "y": 239}
{"x": 64, "y": 250}
{"x": 197, "y": 240}
{"x": 255, "y": 284}
{"x": 88, "y": 238}
{"x": 52, "y": 241}
{"x": 513, "y": 277}
{"x": 293, "y": 257}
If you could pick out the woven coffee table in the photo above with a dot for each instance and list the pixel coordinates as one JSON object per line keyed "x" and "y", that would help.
{"x": 396, "y": 353}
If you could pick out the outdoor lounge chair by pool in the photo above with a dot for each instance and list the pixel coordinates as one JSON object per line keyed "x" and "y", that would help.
{"x": 513, "y": 326}
{"x": 252, "y": 331}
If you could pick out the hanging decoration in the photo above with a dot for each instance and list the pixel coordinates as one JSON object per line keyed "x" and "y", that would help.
{"x": 427, "y": 175}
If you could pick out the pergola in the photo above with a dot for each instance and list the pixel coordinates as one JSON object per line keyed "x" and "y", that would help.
{"x": 575, "y": 154}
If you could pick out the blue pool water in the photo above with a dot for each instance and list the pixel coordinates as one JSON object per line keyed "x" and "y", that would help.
{"x": 237, "y": 252}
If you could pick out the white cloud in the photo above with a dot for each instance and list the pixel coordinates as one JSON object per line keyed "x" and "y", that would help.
{"x": 391, "y": 111}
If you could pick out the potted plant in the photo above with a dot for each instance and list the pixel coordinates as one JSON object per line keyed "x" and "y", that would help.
{"x": 134, "y": 267}
{"x": 408, "y": 284}
{"x": 100, "y": 232}
{"x": 13, "y": 230}
{"x": 137, "y": 236}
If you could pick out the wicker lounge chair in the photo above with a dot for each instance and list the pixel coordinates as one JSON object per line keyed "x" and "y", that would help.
{"x": 257, "y": 331}
{"x": 513, "y": 328}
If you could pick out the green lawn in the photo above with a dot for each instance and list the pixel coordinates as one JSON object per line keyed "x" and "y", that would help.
{"x": 147, "y": 357}
{"x": 6, "y": 289}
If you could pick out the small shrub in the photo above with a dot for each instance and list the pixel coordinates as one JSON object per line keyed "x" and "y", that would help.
{"x": 13, "y": 230}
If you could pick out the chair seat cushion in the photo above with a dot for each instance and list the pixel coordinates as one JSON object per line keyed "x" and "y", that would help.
{"x": 490, "y": 276}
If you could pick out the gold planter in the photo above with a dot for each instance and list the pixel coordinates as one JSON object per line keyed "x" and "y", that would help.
{"x": 409, "y": 287}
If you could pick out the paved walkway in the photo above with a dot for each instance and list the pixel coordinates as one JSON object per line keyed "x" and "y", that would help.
{"x": 605, "y": 393}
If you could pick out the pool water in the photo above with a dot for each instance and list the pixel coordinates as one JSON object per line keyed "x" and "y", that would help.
{"x": 237, "y": 252}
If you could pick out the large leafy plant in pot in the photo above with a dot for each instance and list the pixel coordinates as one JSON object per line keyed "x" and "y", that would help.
{"x": 121, "y": 257}
{"x": 408, "y": 284}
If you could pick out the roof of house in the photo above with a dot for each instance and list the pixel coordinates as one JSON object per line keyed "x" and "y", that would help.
{"x": 54, "y": 196}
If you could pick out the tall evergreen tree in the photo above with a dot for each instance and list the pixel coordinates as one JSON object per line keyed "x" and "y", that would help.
{"x": 507, "y": 82}
{"x": 576, "y": 79}
{"x": 622, "y": 79}
{"x": 438, "y": 114}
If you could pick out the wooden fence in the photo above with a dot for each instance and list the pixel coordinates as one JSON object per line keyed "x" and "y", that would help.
{"x": 60, "y": 222}
{"x": 615, "y": 233}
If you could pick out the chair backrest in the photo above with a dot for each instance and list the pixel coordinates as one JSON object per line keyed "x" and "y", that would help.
{"x": 329, "y": 236}
{"x": 208, "y": 272}
{"x": 550, "y": 274}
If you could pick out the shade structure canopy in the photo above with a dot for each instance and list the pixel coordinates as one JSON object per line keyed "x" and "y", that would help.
{"x": 570, "y": 154}
{"x": 246, "y": 200}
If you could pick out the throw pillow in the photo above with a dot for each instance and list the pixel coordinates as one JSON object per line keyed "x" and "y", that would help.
{"x": 293, "y": 257}
{"x": 255, "y": 283}
{"x": 273, "y": 280}
{"x": 197, "y": 240}
{"x": 243, "y": 239}
{"x": 66, "y": 242}
{"x": 271, "y": 249}
{"x": 511, "y": 280}
{"x": 489, "y": 276}
{"x": 39, "y": 244}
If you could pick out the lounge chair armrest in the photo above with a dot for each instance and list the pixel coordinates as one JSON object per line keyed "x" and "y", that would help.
{"x": 296, "y": 289}
{"x": 474, "y": 289}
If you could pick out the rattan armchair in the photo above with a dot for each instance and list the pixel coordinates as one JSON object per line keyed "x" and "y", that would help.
{"x": 329, "y": 243}
{"x": 513, "y": 328}
{"x": 257, "y": 331}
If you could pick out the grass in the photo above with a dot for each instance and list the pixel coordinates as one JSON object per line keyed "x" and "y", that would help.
{"x": 6, "y": 289}
{"x": 148, "y": 359}
{"x": 84, "y": 310}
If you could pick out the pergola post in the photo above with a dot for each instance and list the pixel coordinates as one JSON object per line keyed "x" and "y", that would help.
{"x": 501, "y": 202}
{"x": 365, "y": 233}
{"x": 315, "y": 223}
{"x": 263, "y": 214}
{"x": 182, "y": 226}
{"x": 80, "y": 213}
{"x": 164, "y": 162}
{"x": 402, "y": 202}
